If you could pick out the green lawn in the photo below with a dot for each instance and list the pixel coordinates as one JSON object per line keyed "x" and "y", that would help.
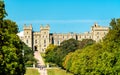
{"x": 57, "y": 72}
{"x": 32, "y": 72}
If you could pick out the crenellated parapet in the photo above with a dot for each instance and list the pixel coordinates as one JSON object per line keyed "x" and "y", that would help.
{"x": 97, "y": 27}
{"x": 47, "y": 27}
{"x": 27, "y": 27}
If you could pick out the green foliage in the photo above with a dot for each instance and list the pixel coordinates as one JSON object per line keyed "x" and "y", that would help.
{"x": 50, "y": 54}
{"x": 85, "y": 43}
{"x": 28, "y": 55}
{"x": 10, "y": 27}
{"x": 56, "y": 54}
{"x": 102, "y": 58}
{"x": 2, "y": 10}
{"x": 11, "y": 58}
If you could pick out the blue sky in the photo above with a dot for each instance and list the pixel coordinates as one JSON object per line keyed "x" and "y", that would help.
{"x": 62, "y": 15}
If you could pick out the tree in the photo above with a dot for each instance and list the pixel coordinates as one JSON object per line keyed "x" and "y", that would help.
{"x": 56, "y": 54}
{"x": 49, "y": 54}
{"x": 102, "y": 58}
{"x": 11, "y": 58}
{"x": 28, "y": 55}
{"x": 86, "y": 42}
{"x": 2, "y": 15}
{"x": 67, "y": 61}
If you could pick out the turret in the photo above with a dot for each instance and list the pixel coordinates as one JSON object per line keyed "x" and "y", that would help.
{"x": 44, "y": 31}
{"x": 28, "y": 35}
{"x": 98, "y": 32}
{"x": 47, "y": 27}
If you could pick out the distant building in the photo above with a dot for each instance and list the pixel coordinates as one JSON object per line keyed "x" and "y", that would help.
{"x": 41, "y": 40}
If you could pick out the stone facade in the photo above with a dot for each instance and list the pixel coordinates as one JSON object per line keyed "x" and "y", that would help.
{"x": 41, "y": 40}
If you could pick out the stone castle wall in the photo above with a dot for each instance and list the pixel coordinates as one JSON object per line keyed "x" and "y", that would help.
{"x": 41, "y": 40}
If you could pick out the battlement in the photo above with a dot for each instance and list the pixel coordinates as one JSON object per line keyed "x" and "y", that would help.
{"x": 36, "y": 33}
{"x": 97, "y": 27}
{"x": 47, "y": 27}
{"x": 27, "y": 27}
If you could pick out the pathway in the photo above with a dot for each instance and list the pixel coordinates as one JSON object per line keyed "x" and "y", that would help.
{"x": 41, "y": 63}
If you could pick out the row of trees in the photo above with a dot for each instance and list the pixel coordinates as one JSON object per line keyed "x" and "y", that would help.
{"x": 101, "y": 58}
{"x": 56, "y": 54}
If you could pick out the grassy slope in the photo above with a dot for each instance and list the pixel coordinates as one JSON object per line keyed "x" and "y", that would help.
{"x": 57, "y": 72}
{"x": 32, "y": 72}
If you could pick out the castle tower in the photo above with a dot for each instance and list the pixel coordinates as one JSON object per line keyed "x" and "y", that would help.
{"x": 98, "y": 32}
{"x": 28, "y": 35}
{"x": 44, "y": 31}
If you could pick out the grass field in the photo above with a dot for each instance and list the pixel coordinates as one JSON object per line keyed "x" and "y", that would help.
{"x": 32, "y": 72}
{"x": 57, "y": 72}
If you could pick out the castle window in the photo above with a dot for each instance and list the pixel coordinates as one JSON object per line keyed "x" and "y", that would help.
{"x": 42, "y": 49}
{"x": 28, "y": 36}
{"x": 90, "y": 37}
{"x": 27, "y": 32}
{"x": 97, "y": 32}
{"x": 97, "y": 36}
{"x": 27, "y": 41}
{"x": 35, "y": 41}
{"x": 25, "y": 36}
{"x": 44, "y": 45}
{"x": 44, "y": 41}
{"x": 63, "y": 37}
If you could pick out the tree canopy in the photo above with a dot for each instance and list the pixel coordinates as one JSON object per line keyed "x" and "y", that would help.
{"x": 90, "y": 58}
{"x": 56, "y": 54}
{"x": 11, "y": 58}
{"x": 102, "y": 58}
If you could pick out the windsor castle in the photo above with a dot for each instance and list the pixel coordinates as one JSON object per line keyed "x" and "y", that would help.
{"x": 40, "y": 40}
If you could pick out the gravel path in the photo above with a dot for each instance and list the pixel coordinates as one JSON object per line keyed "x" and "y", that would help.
{"x": 41, "y": 63}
